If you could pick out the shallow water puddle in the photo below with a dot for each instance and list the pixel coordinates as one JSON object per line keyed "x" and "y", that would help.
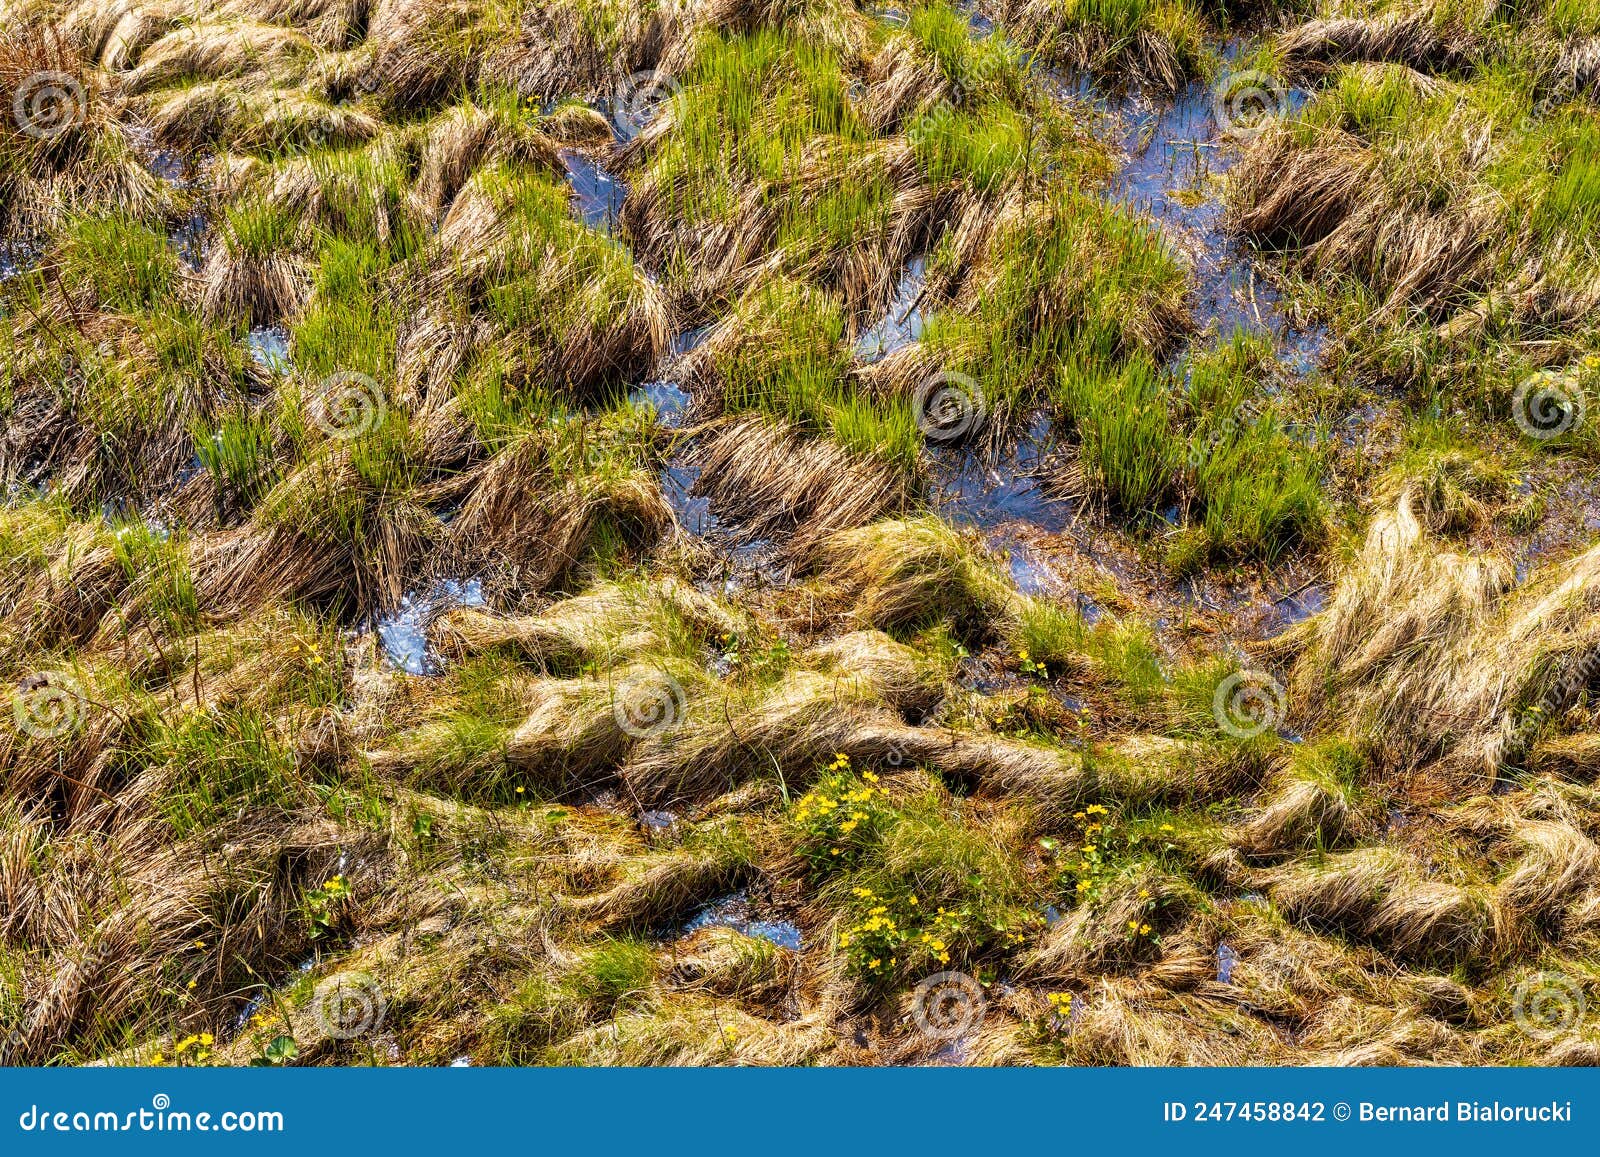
{"x": 976, "y": 491}
{"x": 693, "y": 510}
{"x": 901, "y": 323}
{"x": 189, "y": 241}
{"x": 1227, "y": 958}
{"x": 269, "y": 345}
{"x": 1176, "y": 154}
{"x": 1298, "y": 606}
{"x": 1030, "y": 572}
{"x": 255, "y": 1003}
{"x": 736, "y": 912}
{"x": 668, "y": 399}
{"x": 403, "y": 635}
{"x": 18, "y": 256}
{"x": 978, "y": 24}
{"x": 164, "y": 163}
{"x": 658, "y": 821}
{"x": 597, "y": 196}
{"x": 745, "y": 559}
{"x": 689, "y": 339}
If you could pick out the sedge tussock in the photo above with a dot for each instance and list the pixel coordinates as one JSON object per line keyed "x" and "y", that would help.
{"x": 607, "y": 624}
{"x": 1152, "y": 46}
{"x": 464, "y": 139}
{"x": 1412, "y": 38}
{"x": 1378, "y": 893}
{"x": 703, "y": 1034}
{"x": 727, "y": 963}
{"x": 1436, "y": 652}
{"x": 263, "y": 53}
{"x": 897, "y": 574}
{"x": 778, "y": 485}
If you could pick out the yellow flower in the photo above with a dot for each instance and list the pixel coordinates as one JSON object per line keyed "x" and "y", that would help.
{"x": 520, "y": 790}
{"x": 913, "y": 901}
{"x": 1144, "y": 930}
{"x": 193, "y": 983}
{"x": 199, "y": 944}
{"x": 207, "y": 1039}
{"x": 1094, "y": 809}
{"x": 870, "y": 777}
{"x": 1166, "y": 827}
{"x": 1144, "y": 893}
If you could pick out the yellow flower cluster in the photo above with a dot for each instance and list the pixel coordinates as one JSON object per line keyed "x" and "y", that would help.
{"x": 201, "y": 1044}
{"x": 1090, "y": 865}
{"x": 838, "y": 814}
{"x": 1030, "y": 666}
{"x": 873, "y": 943}
{"x": 321, "y": 902}
{"x": 940, "y": 950}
